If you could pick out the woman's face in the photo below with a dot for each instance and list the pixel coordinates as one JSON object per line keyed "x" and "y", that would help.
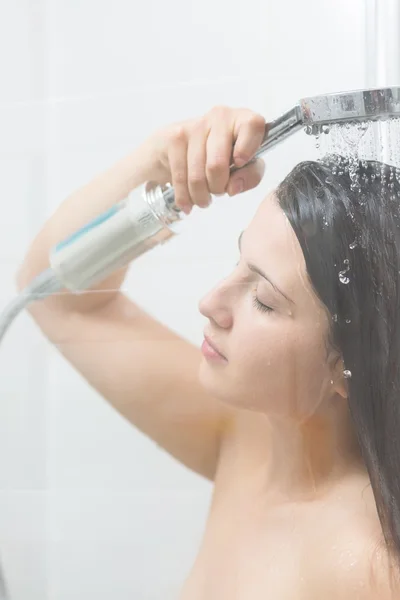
{"x": 276, "y": 359}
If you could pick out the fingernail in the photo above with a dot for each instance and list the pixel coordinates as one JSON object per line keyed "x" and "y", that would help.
{"x": 237, "y": 187}
{"x": 239, "y": 162}
{"x": 186, "y": 209}
{"x": 205, "y": 203}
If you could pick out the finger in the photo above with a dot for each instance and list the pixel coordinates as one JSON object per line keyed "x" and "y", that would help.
{"x": 196, "y": 161}
{"x": 219, "y": 152}
{"x": 246, "y": 178}
{"x": 177, "y": 159}
{"x": 250, "y": 129}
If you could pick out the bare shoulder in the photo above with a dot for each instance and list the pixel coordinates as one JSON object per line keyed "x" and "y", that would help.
{"x": 364, "y": 572}
{"x": 356, "y": 564}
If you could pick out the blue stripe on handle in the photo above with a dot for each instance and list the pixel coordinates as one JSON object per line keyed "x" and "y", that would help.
{"x": 94, "y": 223}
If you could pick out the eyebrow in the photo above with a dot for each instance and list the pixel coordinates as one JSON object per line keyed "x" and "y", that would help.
{"x": 259, "y": 272}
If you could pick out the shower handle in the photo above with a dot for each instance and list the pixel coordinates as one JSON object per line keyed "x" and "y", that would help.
{"x": 146, "y": 218}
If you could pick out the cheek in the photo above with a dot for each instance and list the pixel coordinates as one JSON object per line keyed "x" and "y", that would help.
{"x": 286, "y": 362}
{"x": 262, "y": 355}
{"x": 306, "y": 369}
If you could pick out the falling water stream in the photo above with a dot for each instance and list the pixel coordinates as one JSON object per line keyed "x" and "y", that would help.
{"x": 344, "y": 147}
{"x": 349, "y": 143}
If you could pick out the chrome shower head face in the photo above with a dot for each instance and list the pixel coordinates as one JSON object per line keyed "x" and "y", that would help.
{"x": 344, "y": 108}
{"x": 355, "y": 106}
{"x": 360, "y": 125}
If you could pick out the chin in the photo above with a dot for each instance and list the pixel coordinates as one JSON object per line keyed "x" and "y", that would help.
{"x": 213, "y": 380}
{"x": 217, "y": 383}
{"x": 207, "y": 377}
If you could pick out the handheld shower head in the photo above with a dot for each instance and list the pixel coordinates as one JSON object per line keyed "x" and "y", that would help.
{"x": 350, "y": 107}
{"x": 329, "y": 109}
{"x": 148, "y": 216}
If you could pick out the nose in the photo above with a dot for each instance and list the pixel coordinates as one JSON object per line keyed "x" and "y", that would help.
{"x": 217, "y": 305}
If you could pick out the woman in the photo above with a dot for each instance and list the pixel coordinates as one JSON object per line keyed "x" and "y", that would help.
{"x": 291, "y": 408}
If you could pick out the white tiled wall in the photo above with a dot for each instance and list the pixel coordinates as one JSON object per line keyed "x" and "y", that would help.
{"x": 90, "y": 508}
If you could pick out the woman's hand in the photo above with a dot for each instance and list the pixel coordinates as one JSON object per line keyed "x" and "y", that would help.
{"x": 195, "y": 155}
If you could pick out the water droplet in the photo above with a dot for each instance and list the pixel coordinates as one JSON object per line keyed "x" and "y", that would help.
{"x": 346, "y": 374}
{"x": 348, "y": 320}
{"x": 342, "y": 274}
{"x": 353, "y": 245}
{"x": 335, "y": 317}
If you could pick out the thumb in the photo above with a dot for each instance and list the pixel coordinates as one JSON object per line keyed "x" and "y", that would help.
{"x": 246, "y": 178}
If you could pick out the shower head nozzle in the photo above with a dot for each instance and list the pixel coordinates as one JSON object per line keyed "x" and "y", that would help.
{"x": 329, "y": 109}
{"x": 359, "y": 105}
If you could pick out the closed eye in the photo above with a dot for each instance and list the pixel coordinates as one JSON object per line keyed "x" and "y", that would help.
{"x": 256, "y": 303}
{"x": 260, "y": 306}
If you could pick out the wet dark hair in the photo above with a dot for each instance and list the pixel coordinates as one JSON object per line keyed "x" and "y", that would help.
{"x": 350, "y": 237}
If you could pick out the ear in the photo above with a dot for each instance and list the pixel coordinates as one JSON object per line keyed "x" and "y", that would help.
{"x": 339, "y": 381}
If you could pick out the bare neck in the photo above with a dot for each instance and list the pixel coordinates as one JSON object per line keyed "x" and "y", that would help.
{"x": 299, "y": 462}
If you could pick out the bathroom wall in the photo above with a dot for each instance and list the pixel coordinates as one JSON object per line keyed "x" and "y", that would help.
{"x": 89, "y": 507}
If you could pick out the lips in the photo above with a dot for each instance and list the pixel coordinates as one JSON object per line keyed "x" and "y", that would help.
{"x": 213, "y": 346}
